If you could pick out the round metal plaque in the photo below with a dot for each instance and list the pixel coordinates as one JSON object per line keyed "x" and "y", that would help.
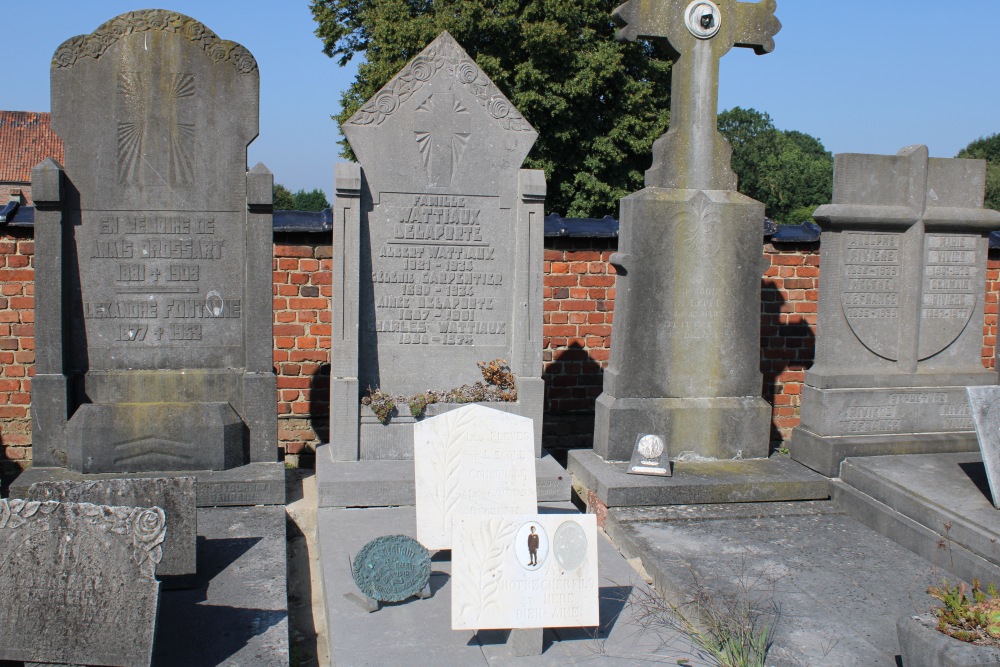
{"x": 570, "y": 545}
{"x": 392, "y": 568}
{"x": 703, "y": 19}
{"x": 651, "y": 446}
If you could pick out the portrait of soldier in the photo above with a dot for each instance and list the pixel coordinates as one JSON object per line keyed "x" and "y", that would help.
{"x": 533, "y": 546}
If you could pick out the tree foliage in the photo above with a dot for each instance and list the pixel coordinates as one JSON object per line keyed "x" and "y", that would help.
{"x": 284, "y": 200}
{"x": 598, "y": 104}
{"x": 987, "y": 148}
{"x": 790, "y": 172}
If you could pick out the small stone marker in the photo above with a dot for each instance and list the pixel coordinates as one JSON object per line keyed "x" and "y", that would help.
{"x": 650, "y": 456}
{"x": 175, "y": 495}
{"x": 78, "y": 582}
{"x": 474, "y": 460}
{"x": 392, "y": 568}
{"x": 985, "y": 404}
{"x": 529, "y": 571}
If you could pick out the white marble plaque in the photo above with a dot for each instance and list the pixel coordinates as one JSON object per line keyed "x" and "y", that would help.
{"x": 528, "y": 571}
{"x": 473, "y": 460}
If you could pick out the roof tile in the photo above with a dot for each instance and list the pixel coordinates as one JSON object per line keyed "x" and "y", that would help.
{"x": 26, "y": 138}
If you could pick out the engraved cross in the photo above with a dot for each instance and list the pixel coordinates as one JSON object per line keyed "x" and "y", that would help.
{"x": 698, "y": 33}
{"x": 442, "y": 136}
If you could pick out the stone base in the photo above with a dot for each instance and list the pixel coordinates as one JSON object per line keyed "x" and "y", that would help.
{"x": 134, "y": 437}
{"x": 720, "y": 428}
{"x": 824, "y": 454}
{"x": 923, "y": 501}
{"x": 391, "y": 483}
{"x": 694, "y": 483}
{"x": 252, "y": 484}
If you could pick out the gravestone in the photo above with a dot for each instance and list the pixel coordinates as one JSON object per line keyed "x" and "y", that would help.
{"x": 901, "y": 310}
{"x": 175, "y": 496}
{"x": 473, "y": 460}
{"x": 153, "y": 261}
{"x": 437, "y": 244}
{"x": 503, "y": 578}
{"x": 685, "y": 345}
{"x": 78, "y": 582}
{"x": 985, "y": 405}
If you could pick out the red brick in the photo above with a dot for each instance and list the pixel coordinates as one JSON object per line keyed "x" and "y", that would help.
{"x": 293, "y": 251}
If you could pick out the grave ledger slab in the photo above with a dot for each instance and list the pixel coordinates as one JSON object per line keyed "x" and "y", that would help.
{"x": 901, "y": 310}
{"x": 438, "y": 245}
{"x": 78, "y": 582}
{"x": 153, "y": 257}
{"x": 175, "y": 496}
{"x": 686, "y": 338}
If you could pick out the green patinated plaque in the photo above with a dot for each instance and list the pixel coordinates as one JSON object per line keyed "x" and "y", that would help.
{"x": 392, "y": 568}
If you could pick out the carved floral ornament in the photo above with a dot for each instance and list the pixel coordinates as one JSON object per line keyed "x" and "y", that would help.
{"x": 147, "y": 528}
{"x": 445, "y": 53}
{"x": 95, "y": 44}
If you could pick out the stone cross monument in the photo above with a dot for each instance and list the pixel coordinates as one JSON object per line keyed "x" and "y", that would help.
{"x": 686, "y": 338}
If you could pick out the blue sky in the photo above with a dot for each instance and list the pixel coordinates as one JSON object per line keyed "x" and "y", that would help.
{"x": 863, "y": 76}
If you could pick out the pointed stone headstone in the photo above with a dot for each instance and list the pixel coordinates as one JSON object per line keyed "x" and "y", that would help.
{"x": 438, "y": 243}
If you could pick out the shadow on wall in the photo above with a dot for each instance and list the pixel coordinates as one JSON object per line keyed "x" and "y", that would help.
{"x": 787, "y": 349}
{"x": 319, "y": 403}
{"x": 573, "y": 381}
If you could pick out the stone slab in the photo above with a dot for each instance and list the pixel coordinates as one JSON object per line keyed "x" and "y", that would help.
{"x": 826, "y": 454}
{"x": 527, "y": 571}
{"x": 985, "y": 405}
{"x": 252, "y": 484}
{"x": 175, "y": 496}
{"x": 925, "y": 499}
{"x": 757, "y": 480}
{"x": 391, "y": 483}
{"x": 840, "y": 585}
{"x": 78, "y": 582}
{"x": 923, "y": 645}
{"x": 473, "y": 460}
{"x": 418, "y": 632}
{"x": 238, "y": 612}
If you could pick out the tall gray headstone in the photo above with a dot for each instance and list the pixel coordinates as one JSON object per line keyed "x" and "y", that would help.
{"x": 78, "y": 582}
{"x": 438, "y": 243}
{"x": 153, "y": 256}
{"x": 685, "y": 345}
{"x": 902, "y": 290}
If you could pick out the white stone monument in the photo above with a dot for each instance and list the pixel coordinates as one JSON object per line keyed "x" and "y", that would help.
{"x": 474, "y": 460}
{"x": 528, "y": 571}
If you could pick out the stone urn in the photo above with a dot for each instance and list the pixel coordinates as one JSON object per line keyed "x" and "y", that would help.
{"x": 923, "y": 645}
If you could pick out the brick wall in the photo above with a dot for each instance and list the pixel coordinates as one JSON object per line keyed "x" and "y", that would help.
{"x": 578, "y": 303}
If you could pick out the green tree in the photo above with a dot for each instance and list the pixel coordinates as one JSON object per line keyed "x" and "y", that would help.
{"x": 283, "y": 198}
{"x": 314, "y": 200}
{"x": 790, "y": 172}
{"x": 598, "y": 104}
{"x": 987, "y": 148}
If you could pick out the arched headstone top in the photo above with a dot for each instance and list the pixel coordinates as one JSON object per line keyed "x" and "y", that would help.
{"x": 96, "y": 43}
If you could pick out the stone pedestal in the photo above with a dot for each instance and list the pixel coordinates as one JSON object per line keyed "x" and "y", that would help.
{"x": 685, "y": 347}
